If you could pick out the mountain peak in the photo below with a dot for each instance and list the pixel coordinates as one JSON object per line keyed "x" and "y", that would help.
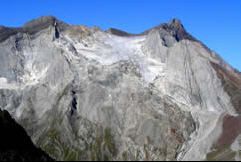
{"x": 43, "y": 22}
{"x": 177, "y": 29}
{"x": 50, "y": 20}
{"x": 176, "y": 23}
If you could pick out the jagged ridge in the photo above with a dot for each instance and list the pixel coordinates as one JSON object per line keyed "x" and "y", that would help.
{"x": 175, "y": 28}
{"x": 111, "y": 95}
{"x": 33, "y": 27}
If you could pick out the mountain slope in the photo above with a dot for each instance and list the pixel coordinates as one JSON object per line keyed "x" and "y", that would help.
{"x": 86, "y": 94}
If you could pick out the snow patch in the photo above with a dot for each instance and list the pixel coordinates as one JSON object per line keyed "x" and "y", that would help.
{"x": 34, "y": 76}
{"x": 3, "y": 81}
{"x": 4, "y": 84}
{"x": 108, "y": 49}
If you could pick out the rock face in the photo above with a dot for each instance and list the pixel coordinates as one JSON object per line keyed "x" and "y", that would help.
{"x": 86, "y": 94}
{"x": 15, "y": 144}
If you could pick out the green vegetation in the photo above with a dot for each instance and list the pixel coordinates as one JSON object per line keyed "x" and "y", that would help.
{"x": 125, "y": 156}
{"x": 103, "y": 148}
{"x": 53, "y": 145}
{"x": 222, "y": 154}
{"x": 109, "y": 141}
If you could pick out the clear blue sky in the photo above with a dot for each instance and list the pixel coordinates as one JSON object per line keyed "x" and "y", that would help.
{"x": 215, "y": 22}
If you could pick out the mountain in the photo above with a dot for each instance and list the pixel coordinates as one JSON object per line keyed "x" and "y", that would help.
{"x": 86, "y": 94}
{"x": 15, "y": 144}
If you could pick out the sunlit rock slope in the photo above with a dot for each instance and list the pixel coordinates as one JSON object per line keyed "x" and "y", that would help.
{"x": 86, "y": 94}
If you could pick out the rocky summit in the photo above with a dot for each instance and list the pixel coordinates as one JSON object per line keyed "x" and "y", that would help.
{"x": 82, "y": 93}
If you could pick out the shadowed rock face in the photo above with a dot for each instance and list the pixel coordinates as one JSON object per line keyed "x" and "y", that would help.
{"x": 6, "y": 32}
{"x": 119, "y": 32}
{"x": 177, "y": 30}
{"x": 15, "y": 144}
{"x": 86, "y": 94}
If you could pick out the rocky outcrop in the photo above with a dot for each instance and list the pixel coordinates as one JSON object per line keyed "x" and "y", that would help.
{"x": 86, "y": 94}
{"x": 33, "y": 27}
{"x": 119, "y": 32}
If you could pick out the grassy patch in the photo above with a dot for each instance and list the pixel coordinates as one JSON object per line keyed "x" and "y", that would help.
{"x": 103, "y": 148}
{"x": 222, "y": 154}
